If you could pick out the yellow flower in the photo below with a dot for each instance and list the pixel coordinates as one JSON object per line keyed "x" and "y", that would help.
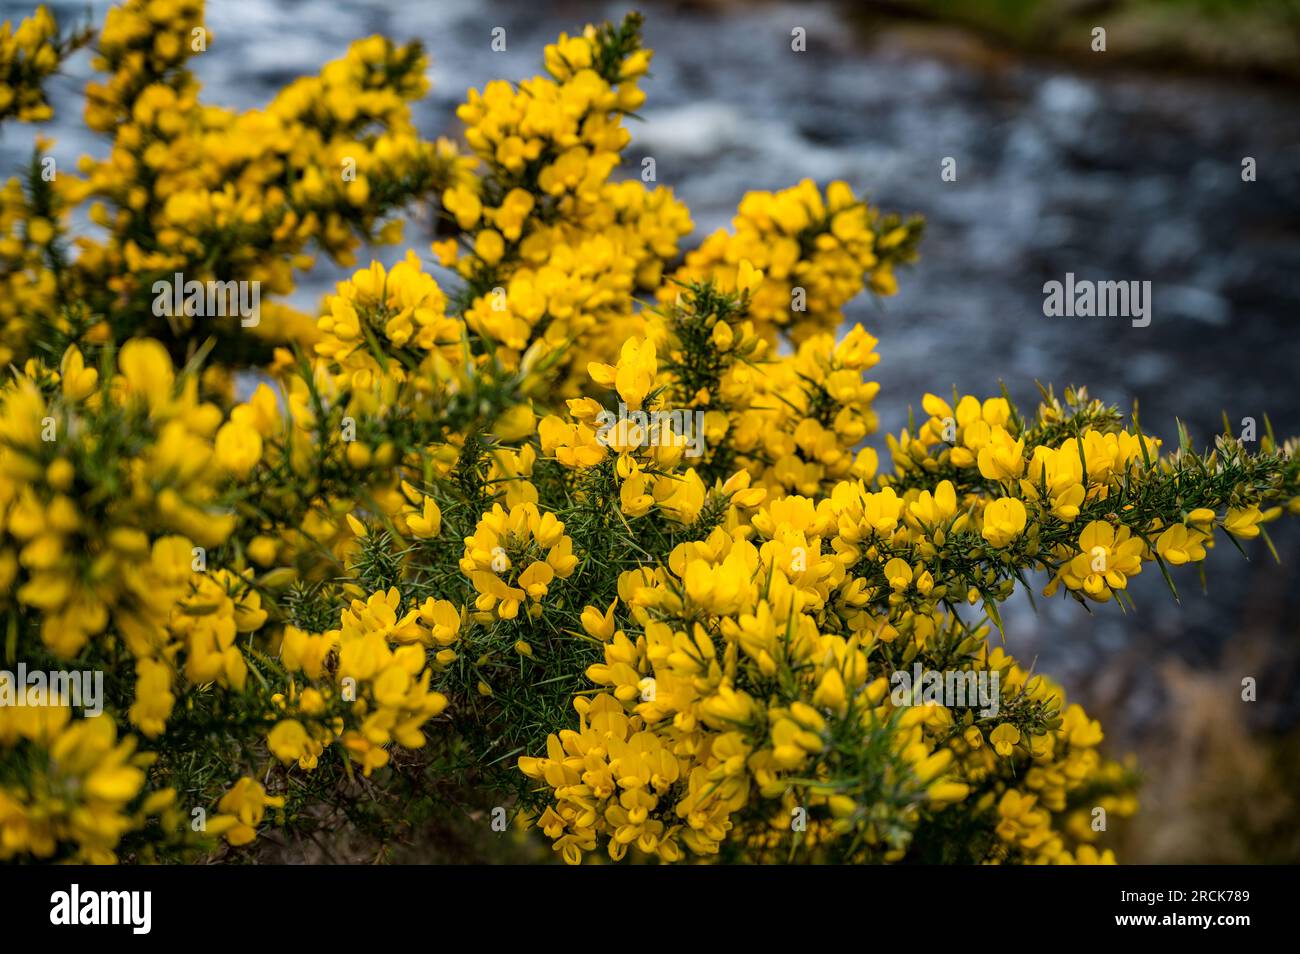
{"x": 241, "y": 810}
{"x": 934, "y": 509}
{"x": 464, "y": 205}
{"x": 239, "y": 448}
{"x": 262, "y": 550}
{"x": 1243, "y": 521}
{"x": 79, "y": 382}
{"x": 153, "y": 697}
{"x": 306, "y": 652}
{"x": 633, "y": 499}
{"x": 1180, "y": 545}
{"x": 830, "y": 691}
{"x": 1005, "y": 738}
{"x": 1004, "y": 521}
{"x": 634, "y": 374}
{"x": 443, "y": 619}
{"x": 597, "y": 624}
{"x": 489, "y": 246}
{"x": 504, "y": 541}
{"x": 1002, "y": 458}
{"x": 516, "y": 423}
{"x": 288, "y": 740}
{"x": 146, "y": 370}
{"x": 428, "y": 523}
{"x": 1107, "y": 558}
{"x": 898, "y": 574}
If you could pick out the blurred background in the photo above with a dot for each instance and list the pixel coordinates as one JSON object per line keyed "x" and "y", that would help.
{"x": 1121, "y": 165}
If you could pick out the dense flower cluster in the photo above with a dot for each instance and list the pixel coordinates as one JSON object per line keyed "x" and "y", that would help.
{"x": 114, "y": 496}
{"x": 385, "y": 686}
{"x": 204, "y": 192}
{"x": 81, "y": 788}
{"x": 551, "y": 248}
{"x": 28, "y": 56}
{"x": 815, "y": 252}
{"x": 737, "y": 663}
{"x": 582, "y": 525}
{"x": 145, "y": 443}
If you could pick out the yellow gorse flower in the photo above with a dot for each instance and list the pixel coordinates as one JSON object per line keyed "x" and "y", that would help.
{"x": 513, "y": 556}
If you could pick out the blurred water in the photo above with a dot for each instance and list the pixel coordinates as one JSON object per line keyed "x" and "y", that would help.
{"x": 1107, "y": 174}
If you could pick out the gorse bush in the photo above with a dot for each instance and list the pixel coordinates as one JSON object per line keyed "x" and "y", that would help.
{"x": 584, "y": 535}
